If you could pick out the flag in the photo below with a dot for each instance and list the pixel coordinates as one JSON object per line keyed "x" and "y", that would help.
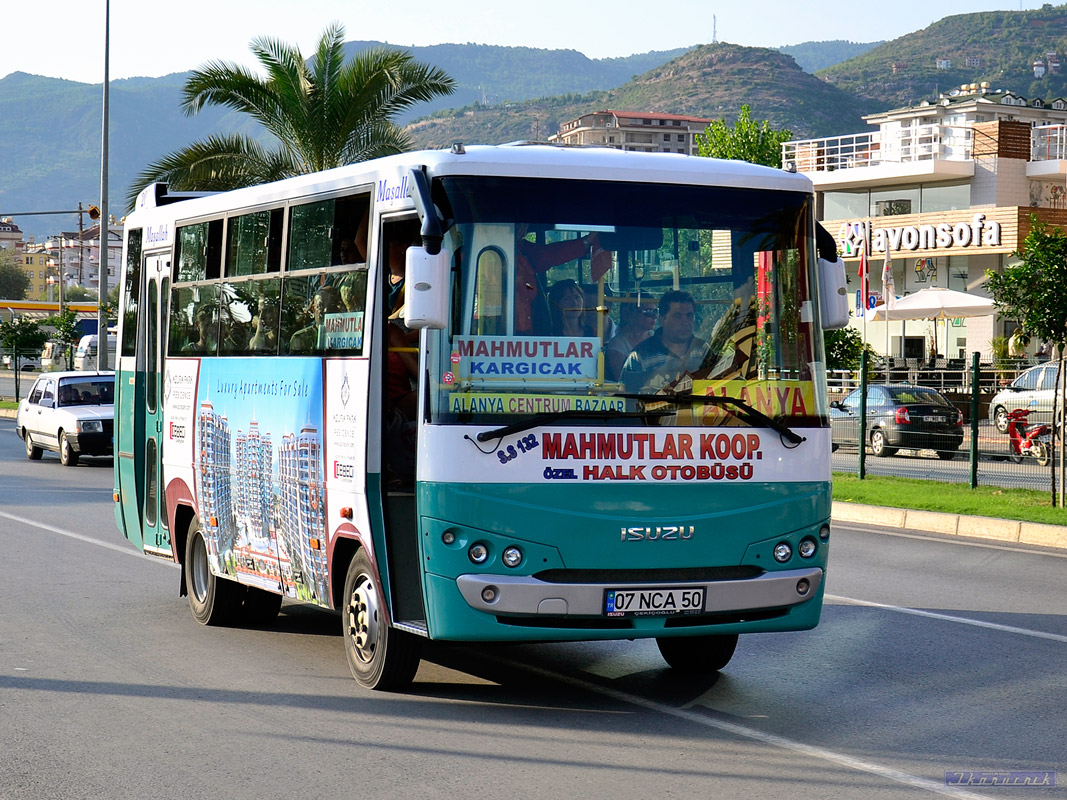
{"x": 864, "y": 281}
{"x": 889, "y": 291}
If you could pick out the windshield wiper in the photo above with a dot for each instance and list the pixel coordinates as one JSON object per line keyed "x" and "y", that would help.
{"x": 547, "y": 417}
{"x": 741, "y": 410}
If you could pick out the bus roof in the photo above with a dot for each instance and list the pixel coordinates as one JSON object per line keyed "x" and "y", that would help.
{"x": 517, "y": 160}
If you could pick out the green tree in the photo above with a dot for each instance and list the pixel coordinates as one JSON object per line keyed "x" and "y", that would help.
{"x": 13, "y": 279}
{"x": 1032, "y": 293}
{"x": 73, "y": 293}
{"x": 747, "y": 140}
{"x": 20, "y": 336}
{"x": 324, "y": 115}
{"x": 844, "y": 347}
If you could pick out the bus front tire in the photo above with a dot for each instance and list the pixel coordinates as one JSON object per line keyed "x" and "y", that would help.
{"x": 697, "y": 654}
{"x": 379, "y": 656}
{"x": 213, "y": 600}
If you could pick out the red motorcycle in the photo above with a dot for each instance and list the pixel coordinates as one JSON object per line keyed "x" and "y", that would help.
{"x": 1035, "y": 440}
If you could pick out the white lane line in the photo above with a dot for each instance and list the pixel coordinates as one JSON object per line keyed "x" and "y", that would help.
{"x": 118, "y": 548}
{"x": 746, "y": 732}
{"x": 950, "y": 538}
{"x": 1055, "y": 637}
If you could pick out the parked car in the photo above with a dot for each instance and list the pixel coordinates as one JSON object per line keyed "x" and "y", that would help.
{"x": 71, "y": 413}
{"x": 1034, "y": 389}
{"x": 27, "y": 361}
{"x": 899, "y": 416}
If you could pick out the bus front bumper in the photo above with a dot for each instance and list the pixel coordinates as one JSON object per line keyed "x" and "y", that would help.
{"x": 508, "y": 595}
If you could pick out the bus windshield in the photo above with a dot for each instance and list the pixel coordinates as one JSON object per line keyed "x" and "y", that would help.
{"x": 628, "y": 303}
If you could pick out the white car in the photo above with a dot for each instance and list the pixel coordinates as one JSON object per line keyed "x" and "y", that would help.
{"x": 70, "y": 412}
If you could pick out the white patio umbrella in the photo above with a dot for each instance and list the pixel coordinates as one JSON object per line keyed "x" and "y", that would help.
{"x": 936, "y": 303}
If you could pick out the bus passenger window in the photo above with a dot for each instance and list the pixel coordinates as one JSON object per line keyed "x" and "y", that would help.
{"x": 266, "y": 318}
{"x": 328, "y": 232}
{"x": 235, "y": 318}
{"x": 194, "y": 321}
{"x": 253, "y": 243}
{"x": 199, "y": 251}
{"x": 306, "y": 305}
{"x": 132, "y": 290}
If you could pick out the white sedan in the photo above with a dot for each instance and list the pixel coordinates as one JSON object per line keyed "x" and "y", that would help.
{"x": 70, "y": 412}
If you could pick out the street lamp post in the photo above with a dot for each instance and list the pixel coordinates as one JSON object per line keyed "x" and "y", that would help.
{"x": 101, "y": 324}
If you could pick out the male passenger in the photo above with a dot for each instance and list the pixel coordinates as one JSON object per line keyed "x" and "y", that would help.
{"x": 671, "y": 352}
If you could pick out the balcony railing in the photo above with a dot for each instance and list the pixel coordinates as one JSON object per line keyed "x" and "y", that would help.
{"x": 910, "y": 144}
{"x": 1048, "y": 143}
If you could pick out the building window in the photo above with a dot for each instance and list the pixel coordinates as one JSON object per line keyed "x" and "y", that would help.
{"x": 666, "y": 137}
{"x": 681, "y": 137}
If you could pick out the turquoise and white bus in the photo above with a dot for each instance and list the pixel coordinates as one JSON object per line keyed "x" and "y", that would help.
{"x": 386, "y": 389}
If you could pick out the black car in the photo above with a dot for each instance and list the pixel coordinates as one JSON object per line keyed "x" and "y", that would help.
{"x": 899, "y": 416}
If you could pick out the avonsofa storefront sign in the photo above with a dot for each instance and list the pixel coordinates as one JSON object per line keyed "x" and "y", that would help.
{"x": 903, "y": 235}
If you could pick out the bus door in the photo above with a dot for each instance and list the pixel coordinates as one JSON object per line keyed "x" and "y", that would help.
{"x": 156, "y": 292}
{"x": 400, "y": 412}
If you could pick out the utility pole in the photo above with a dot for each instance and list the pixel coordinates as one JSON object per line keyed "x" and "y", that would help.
{"x": 101, "y": 324}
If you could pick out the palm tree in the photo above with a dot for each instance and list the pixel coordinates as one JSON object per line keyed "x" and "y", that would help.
{"x": 322, "y": 116}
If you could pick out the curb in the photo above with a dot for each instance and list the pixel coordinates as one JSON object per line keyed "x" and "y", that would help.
{"x": 1001, "y": 530}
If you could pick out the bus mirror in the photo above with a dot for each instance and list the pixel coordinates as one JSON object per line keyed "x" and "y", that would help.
{"x": 833, "y": 294}
{"x": 426, "y": 289}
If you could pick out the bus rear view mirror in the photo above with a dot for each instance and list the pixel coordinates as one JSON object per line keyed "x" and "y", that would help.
{"x": 630, "y": 239}
{"x": 833, "y": 294}
{"x": 426, "y": 289}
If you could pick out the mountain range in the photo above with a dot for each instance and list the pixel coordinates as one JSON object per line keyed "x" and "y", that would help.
{"x": 50, "y": 129}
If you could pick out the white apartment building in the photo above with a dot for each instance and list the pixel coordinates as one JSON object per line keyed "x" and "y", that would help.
{"x": 633, "y": 130}
{"x": 948, "y": 186}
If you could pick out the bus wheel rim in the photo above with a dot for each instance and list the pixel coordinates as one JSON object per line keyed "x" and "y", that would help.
{"x": 199, "y": 569}
{"x": 363, "y": 619}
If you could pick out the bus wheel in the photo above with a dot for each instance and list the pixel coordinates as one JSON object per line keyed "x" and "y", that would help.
{"x": 212, "y": 600}
{"x": 33, "y": 452}
{"x": 697, "y": 653}
{"x": 380, "y": 657}
{"x": 67, "y": 456}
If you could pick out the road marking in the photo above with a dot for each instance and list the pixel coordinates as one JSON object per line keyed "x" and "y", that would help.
{"x": 951, "y": 538}
{"x": 752, "y": 734}
{"x": 1055, "y": 637}
{"x": 118, "y": 548}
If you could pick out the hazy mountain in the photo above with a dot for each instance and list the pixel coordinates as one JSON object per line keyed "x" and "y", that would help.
{"x": 711, "y": 81}
{"x": 814, "y": 56}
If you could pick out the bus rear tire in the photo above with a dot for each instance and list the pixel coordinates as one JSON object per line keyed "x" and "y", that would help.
{"x": 379, "y": 656}
{"x": 697, "y": 653}
{"x": 213, "y": 600}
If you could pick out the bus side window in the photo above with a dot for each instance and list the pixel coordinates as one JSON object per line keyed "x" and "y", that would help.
{"x": 194, "y": 321}
{"x": 253, "y": 243}
{"x": 199, "y": 254}
{"x": 306, "y": 303}
{"x": 235, "y": 318}
{"x": 132, "y": 291}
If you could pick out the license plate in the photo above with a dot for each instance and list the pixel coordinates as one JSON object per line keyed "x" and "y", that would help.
{"x": 659, "y": 602}
{"x": 935, "y": 419}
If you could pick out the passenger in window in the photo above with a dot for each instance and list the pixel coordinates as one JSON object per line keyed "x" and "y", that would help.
{"x": 638, "y": 318}
{"x": 566, "y": 306}
{"x": 531, "y": 260}
{"x": 206, "y": 331}
{"x": 672, "y": 353}
{"x": 400, "y": 237}
{"x": 265, "y": 336}
{"x": 311, "y": 337}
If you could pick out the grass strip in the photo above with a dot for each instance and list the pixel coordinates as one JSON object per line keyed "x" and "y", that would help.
{"x": 1026, "y": 505}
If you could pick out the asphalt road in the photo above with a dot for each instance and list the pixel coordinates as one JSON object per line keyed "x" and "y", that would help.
{"x": 933, "y": 656}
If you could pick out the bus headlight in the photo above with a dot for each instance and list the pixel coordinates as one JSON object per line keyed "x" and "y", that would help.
{"x": 90, "y": 426}
{"x": 782, "y": 552}
{"x": 512, "y": 556}
{"x": 478, "y": 553}
{"x": 806, "y": 548}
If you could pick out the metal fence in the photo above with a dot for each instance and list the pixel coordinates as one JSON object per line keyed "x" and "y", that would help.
{"x": 986, "y": 455}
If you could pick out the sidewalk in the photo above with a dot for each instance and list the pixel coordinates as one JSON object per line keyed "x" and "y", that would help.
{"x": 1000, "y": 530}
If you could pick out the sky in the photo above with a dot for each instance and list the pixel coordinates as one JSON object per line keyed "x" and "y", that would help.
{"x": 65, "y": 38}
